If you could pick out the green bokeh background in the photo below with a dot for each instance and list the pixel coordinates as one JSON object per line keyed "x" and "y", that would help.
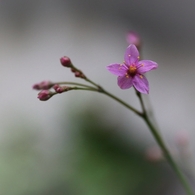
{"x": 94, "y": 159}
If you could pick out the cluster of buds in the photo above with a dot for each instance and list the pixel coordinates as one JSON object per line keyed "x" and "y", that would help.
{"x": 48, "y": 91}
{"x": 60, "y": 89}
{"x": 66, "y": 62}
{"x": 48, "y": 88}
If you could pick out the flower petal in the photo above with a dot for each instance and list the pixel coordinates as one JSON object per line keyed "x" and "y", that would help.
{"x": 117, "y": 69}
{"x": 131, "y": 55}
{"x": 146, "y": 65}
{"x": 125, "y": 82}
{"x": 141, "y": 83}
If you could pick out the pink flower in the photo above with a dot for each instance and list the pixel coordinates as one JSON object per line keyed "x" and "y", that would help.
{"x": 130, "y": 72}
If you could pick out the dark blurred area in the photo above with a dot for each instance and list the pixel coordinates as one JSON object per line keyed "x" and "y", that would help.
{"x": 83, "y": 143}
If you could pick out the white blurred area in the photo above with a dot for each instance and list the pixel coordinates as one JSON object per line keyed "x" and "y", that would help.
{"x": 35, "y": 34}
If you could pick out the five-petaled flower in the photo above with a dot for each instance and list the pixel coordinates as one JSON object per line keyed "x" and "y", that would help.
{"x": 130, "y": 72}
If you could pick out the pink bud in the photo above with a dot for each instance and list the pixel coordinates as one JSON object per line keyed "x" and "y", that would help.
{"x": 44, "y": 95}
{"x": 66, "y": 62}
{"x": 60, "y": 89}
{"x": 56, "y": 86}
{"x": 43, "y": 85}
{"x": 79, "y": 74}
{"x": 134, "y": 38}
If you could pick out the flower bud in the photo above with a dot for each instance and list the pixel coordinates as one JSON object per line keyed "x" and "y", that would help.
{"x": 60, "y": 89}
{"x": 43, "y": 85}
{"x": 44, "y": 95}
{"x": 66, "y": 62}
{"x": 134, "y": 38}
{"x": 79, "y": 74}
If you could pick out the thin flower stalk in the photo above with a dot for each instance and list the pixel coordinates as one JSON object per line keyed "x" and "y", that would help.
{"x": 74, "y": 83}
{"x": 130, "y": 74}
{"x": 168, "y": 156}
{"x": 163, "y": 147}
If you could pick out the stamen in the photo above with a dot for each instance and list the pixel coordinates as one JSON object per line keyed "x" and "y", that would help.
{"x": 126, "y": 75}
{"x": 120, "y": 66}
{"x": 141, "y": 65}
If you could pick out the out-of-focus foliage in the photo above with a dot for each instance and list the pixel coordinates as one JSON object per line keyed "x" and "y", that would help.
{"x": 96, "y": 160}
{"x": 104, "y": 163}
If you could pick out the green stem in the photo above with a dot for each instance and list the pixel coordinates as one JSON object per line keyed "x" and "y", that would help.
{"x": 88, "y": 80}
{"x": 101, "y": 90}
{"x": 141, "y": 101}
{"x": 73, "y": 83}
{"x": 83, "y": 88}
{"x": 163, "y": 147}
{"x": 157, "y": 137}
{"x": 145, "y": 117}
{"x": 168, "y": 156}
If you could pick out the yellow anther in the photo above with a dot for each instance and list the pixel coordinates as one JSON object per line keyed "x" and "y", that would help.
{"x": 132, "y": 69}
{"x": 141, "y": 76}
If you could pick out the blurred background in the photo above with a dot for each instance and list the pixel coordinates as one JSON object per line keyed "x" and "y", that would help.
{"x": 82, "y": 143}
